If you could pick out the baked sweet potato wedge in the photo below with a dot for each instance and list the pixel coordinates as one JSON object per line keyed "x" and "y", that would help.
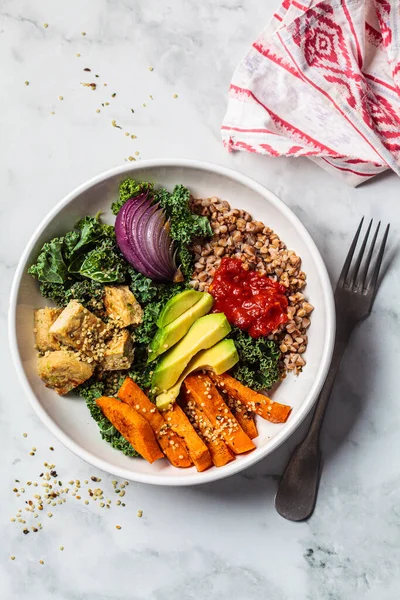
{"x": 220, "y": 453}
{"x": 257, "y": 403}
{"x": 205, "y": 395}
{"x": 171, "y": 444}
{"x": 132, "y": 426}
{"x": 246, "y": 421}
{"x": 180, "y": 424}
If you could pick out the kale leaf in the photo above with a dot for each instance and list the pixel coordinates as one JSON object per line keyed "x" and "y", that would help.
{"x": 90, "y": 232}
{"x": 258, "y": 367}
{"x": 129, "y": 188}
{"x": 104, "y": 264}
{"x": 88, "y": 251}
{"x": 50, "y": 266}
{"x": 184, "y": 225}
{"x": 87, "y": 292}
{"x": 90, "y": 391}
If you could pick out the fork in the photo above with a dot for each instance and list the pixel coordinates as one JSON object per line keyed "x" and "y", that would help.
{"x": 354, "y": 296}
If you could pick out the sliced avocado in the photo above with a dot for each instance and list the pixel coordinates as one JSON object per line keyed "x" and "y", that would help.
{"x": 171, "y": 334}
{"x": 219, "y": 358}
{"x": 204, "y": 333}
{"x": 177, "y": 305}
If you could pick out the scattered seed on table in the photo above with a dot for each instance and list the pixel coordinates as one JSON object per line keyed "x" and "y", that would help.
{"x": 78, "y": 54}
{"x": 41, "y": 562}
{"x": 118, "y": 527}
{"x": 151, "y": 68}
{"x": 45, "y": 25}
{"x": 61, "y": 97}
{"x": 61, "y": 548}
{"x": 83, "y": 33}
{"x": 52, "y": 112}
{"x": 137, "y": 153}
{"x": 25, "y": 434}
{"x": 26, "y": 83}
{"x": 51, "y": 448}
{"x": 12, "y": 557}
{"x": 131, "y": 158}
{"x": 140, "y": 514}
{"x": 175, "y": 96}
{"x": 133, "y": 137}
{"x": 113, "y": 95}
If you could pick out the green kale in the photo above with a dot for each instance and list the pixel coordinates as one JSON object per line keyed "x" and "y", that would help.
{"x": 50, "y": 266}
{"x": 103, "y": 264}
{"x": 54, "y": 291}
{"x": 90, "y": 232}
{"x": 87, "y": 292}
{"x": 186, "y": 262}
{"x": 184, "y": 224}
{"x": 89, "y": 250}
{"x": 143, "y": 288}
{"x": 90, "y": 391}
{"x": 129, "y": 188}
{"x": 141, "y": 372}
{"x": 258, "y": 367}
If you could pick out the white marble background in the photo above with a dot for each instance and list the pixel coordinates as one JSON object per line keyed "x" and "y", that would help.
{"x": 222, "y": 540}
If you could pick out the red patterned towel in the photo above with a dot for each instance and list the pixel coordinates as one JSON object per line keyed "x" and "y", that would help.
{"x": 322, "y": 81}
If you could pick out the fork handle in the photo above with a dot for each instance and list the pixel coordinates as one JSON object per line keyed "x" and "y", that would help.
{"x": 297, "y": 491}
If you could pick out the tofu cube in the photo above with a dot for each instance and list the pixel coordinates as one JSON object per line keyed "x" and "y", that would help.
{"x": 121, "y": 306}
{"x": 43, "y": 320}
{"x": 63, "y": 371}
{"x": 80, "y": 329}
{"x": 119, "y": 352}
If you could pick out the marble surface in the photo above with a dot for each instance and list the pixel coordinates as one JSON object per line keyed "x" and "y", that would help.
{"x": 222, "y": 540}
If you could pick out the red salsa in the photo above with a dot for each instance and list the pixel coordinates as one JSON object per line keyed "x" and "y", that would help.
{"x": 251, "y": 301}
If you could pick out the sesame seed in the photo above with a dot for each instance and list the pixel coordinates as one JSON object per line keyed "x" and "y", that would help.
{"x": 118, "y": 527}
{"x": 175, "y": 96}
{"x": 25, "y": 434}
{"x": 41, "y": 562}
{"x": 140, "y": 513}
{"x": 151, "y": 68}
{"x": 12, "y": 557}
{"x": 83, "y": 33}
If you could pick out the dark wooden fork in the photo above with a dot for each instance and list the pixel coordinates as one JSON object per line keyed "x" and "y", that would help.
{"x": 354, "y": 297}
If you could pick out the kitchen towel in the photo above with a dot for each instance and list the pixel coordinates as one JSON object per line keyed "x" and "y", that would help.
{"x": 323, "y": 81}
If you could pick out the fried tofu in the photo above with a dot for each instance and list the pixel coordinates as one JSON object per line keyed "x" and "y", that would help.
{"x": 118, "y": 353}
{"x": 121, "y": 306}
{"x": 63, "y": 371}
{"x": 80, "y": 329}
{"x": 43, "y": 320}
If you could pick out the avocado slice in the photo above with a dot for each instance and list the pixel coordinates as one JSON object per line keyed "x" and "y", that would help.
{"x": 204, "y": 333}
{"x": 177, "y": 305}
{"x": 169, "y": 335}
{"x": 219, "y": 358}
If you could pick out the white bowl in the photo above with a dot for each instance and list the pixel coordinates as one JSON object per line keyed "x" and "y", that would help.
{"x": 68, "y": 417}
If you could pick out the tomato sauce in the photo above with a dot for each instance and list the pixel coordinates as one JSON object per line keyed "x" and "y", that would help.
{"x": 251, "y": 301}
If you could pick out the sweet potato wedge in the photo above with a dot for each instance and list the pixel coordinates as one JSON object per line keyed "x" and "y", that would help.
{"x": 132, "y": 426}
{"x": 246, "y": 422}
{"x": 180, "y": 424}
{"x": 203, "y": 392}
{"x": 171, "y": 444}
{"x": 257, "y": 403}
{"x": 220, "y": 453}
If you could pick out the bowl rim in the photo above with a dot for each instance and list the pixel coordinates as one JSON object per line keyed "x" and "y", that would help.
{"x": 236, "y": 466}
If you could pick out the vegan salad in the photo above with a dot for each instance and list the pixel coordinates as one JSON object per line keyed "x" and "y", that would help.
{"x": 171, "y": 322}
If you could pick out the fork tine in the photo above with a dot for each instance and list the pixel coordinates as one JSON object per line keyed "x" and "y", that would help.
{"x": 374, "y": 279}
{"x": 349, "y": 256}
{"x": 361, "y": 284}
{"x": 354, "y": 271}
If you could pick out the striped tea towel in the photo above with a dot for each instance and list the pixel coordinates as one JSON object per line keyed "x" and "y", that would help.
{"x": 323, "y": 81}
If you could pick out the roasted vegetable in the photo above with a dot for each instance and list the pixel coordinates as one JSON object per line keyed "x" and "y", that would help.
{"x": 200, "y": 388}
{"x": 132, "y": 426}
{"x": 171, "y": 444}
{"x": 257, "y": 403}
